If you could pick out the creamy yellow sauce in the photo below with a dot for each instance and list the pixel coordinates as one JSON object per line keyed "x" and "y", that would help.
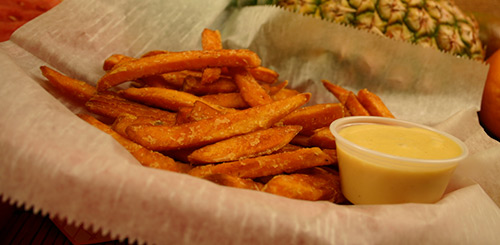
{"x": 370, "y": 179}
{"x": 401, "y": 141}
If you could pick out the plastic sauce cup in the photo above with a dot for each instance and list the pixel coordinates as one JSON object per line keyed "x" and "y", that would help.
{"x": 372, "y": 177}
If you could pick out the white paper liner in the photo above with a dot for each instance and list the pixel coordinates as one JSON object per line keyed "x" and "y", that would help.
{"x": 55, "y": 162}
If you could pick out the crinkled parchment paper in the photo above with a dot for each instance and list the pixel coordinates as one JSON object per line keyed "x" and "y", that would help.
{"x": 54, "y": 162}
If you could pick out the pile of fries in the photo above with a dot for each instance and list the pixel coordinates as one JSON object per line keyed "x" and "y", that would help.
{"x": 219, "y": 115}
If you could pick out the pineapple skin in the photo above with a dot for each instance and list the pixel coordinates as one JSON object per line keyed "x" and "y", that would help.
{"x": 439, "y": 24}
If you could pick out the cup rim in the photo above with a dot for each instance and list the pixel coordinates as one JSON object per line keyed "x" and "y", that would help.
{"x": 356, "y": 120}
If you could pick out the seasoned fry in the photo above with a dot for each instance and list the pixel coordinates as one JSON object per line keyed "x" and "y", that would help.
{"x": 75, "y": 89}
{"x": 314, "y": 117}
{"x": 144, "y": 156}
{"x": 322, "y": 138}
{"x": 289, "y": 147}
{"x": 194, "y": 86}
{"x": 284, "y": 93}
{"x": 275, "y": 89}
{"x": 162, "y": 97}
{"x": 111, "y": 105}
{"x": 158, "y": 81}
{"x": 250, "y": 90}
{"x": 228, "y": 100}
{"x": 154, "y": 52}
{"x": 373, "y": 104}
{"x": 264, "y": 74}
{"x": 183, "y": 74}
{"x": 179, "y": 155}
{"x": 210, "y": 75}
{"x": 258, "y": 143}
{"x": 173, "y": 80}
{"x": 210, "y": 40}
{"x": 115, "y": 60}
{"x": 312, "y": 184}
{"x": 355, "y": 108}
{"x": 183, "y": 115}
{"x": 286, "y": 162}
{"x": 212, "y": 130}
{"x": 300, "y": 140}
{"x": 233, "y": 181}
{"x": 178, "y": 61}
{"x": 339, "y": 92}
{"x": 201, "y": 111}
{"x": 123, "y": 121}
{"x": 266, "y": 87}
{"x": 333, "y": 154}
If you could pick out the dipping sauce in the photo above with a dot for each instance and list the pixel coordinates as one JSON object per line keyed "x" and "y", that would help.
{"x": 386, "y": 161}
{"x": 401, "y": 141}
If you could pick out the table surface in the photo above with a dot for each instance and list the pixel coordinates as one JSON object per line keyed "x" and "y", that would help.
{"x": 19, "y": 226}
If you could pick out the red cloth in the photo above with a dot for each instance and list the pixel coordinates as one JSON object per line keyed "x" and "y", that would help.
{"x": 14, "y": 13}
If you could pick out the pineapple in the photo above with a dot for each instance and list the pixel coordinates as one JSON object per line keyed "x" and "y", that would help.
{"x": 432, "y": 23}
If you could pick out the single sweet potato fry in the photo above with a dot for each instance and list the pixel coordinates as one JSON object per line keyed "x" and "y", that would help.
{"x": 276, "y": 88}
{"x": 233, "y": 181}
{"x": 154, "y": 52}
{"x": 312, "y": 184}
{"x": 157, "y": 81}
{"x": 228, "y": 100}
{"x": 157, "y": 160}
{"x": 194, "y": 86}
{"x": 314, "y": 117}
{"x": 258, "y": 143}
{"x": 373, "y": 104}
{"x": 144, "y": 156}
{"x": 115, "y": 60}
{"x": 123, "y": 121}
{"x": 300, "y": 140}
{"x": 183, "y": 115}
{"x": 210, "y": 40}
{"x": 179, "y": 155}
{"x": 264, "y": 74}
{"x": 159, "y": 97}
{"x": 333, "y": 154}
{"x": 210, "y": 75}
{"x": 172, "y": 80}
{"x": 289, "y": 147}
{"x": 266, "y": 87}
{"x": 250, "y": 89}
{"x": 355, "y": 108}
{"x": 75, "y": 89}
{"x": 177, "y": 61}
{"x": 111, "y": 105}
{"x": 273, "y": 164}
{"x": 323, "y": 138}
{"x": 201, "y": 111}
{"x": 284, "y": 93}
{"x": 339, "y": 92}
{"x": 215, "y": 129}
{"x": 165, "y": 98}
